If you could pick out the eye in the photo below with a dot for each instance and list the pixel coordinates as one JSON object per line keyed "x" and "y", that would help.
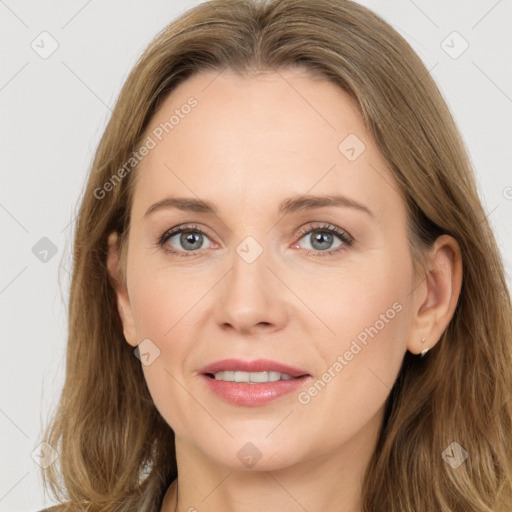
{"x": 187, "y": 239}
{"x": 322, "y": 238}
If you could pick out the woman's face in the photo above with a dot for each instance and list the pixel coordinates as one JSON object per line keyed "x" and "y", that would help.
{"x": 277, "y": 272}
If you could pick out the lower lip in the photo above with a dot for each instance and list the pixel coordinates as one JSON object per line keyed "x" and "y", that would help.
{"x": 252, "y": 395}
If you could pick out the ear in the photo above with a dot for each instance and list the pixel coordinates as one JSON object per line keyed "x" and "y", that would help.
{"x": 123, "y": 300}
{"x": 436, "y": 298}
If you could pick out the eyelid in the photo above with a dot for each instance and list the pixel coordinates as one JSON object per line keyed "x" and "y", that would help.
{"x": 325, "y": 226}
{"x": 179, "y": 228}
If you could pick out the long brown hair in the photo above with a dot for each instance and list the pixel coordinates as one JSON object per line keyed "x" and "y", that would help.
{"x": 117, "y": 453}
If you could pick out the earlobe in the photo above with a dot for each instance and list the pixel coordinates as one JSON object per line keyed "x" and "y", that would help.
{"x": 119, "y": 284}
{"x": 436, "y": 300}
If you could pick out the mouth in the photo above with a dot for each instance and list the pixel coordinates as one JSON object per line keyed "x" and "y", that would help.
{"x": 253, "y": 383}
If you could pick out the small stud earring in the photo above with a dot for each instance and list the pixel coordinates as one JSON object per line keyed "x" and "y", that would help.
{"x": 426, "y": 350}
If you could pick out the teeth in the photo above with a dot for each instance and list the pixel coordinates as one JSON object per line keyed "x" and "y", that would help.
{"x": 252, "y": 377}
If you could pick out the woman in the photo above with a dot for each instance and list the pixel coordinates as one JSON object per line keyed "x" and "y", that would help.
{"x": 286, "y": 294}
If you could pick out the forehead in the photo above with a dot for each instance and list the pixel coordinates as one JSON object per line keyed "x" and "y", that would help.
{"x": 257, "y": 139}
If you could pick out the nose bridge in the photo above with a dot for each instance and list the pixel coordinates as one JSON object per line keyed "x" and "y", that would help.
{"x": 250, "y": 295}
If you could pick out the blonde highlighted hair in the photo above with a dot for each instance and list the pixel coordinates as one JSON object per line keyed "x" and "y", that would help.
{"x": 117, "y": 453}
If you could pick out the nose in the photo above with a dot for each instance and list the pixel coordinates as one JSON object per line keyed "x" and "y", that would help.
{"x": 251, "y": 298}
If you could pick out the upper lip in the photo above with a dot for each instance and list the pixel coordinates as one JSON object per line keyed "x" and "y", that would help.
{"x": 258, "y": 365}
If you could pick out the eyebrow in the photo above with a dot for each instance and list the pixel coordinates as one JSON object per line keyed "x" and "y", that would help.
{"x": 287, "y": 206}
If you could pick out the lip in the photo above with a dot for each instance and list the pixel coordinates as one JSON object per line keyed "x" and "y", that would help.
{"x": 255, "y": 394}
{"x": 259, "y": 365}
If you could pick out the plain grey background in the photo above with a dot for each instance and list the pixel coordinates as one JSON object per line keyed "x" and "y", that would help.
{"x": 54, "y": 107}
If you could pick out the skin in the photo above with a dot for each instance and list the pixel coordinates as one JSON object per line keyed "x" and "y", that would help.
{"x": 249, "y": 144}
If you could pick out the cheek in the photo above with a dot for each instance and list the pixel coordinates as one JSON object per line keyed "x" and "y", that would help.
{"x": 366, "y": 311}
{"x": 163, "y": 298}
{"x": 347, "y": 301}
{"x": 161, "y": 316}
{"x": 361, "y": 360}
{"x": 165, "y": 304}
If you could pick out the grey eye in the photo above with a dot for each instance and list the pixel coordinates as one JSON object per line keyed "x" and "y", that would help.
{"x": 321, "y": 239}
{"x": 188, "y": 240}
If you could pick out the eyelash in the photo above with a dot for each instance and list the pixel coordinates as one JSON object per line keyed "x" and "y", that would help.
{"x": 347, "y": 239}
